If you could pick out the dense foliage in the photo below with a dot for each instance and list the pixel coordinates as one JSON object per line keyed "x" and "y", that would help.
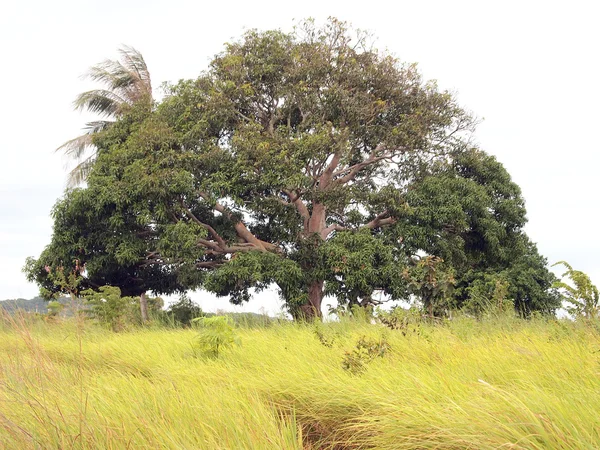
{"x": 307, "y": 160}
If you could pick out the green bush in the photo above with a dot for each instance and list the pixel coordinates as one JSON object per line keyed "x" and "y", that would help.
{"x": 215, "y": 335}
{"x": 108, "y": 308}
{"x": 184, "y": 311}
{"x": 404, "y": 320}
{"x": 366, "y": 350}
{"x": 489, "y": 297}
{"x": 55, "y": 308}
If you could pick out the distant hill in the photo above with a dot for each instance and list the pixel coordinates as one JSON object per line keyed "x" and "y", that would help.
{"x": 37, "y": 304}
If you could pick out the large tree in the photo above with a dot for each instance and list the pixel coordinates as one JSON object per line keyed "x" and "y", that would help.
{"x": 307, "y": 160}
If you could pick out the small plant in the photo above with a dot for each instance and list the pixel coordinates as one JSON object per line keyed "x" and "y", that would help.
{"x": 355, "y": 312}
{"x": 215, "y": 335}
{"x": 404, "y": 320}
{"x": 366, "y": 350}
{"x": 55, "y": 308}
{"x": 489, "y": 296}
{"x": 339, "y": 311}
{"x": 432, "y": 283}
{"x": 324, "y": 336}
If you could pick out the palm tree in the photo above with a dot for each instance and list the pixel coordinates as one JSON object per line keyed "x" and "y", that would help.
{"x": 127, "y": 82}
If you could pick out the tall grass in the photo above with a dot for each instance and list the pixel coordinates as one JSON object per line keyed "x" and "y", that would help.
{"x": 504, "y": 383}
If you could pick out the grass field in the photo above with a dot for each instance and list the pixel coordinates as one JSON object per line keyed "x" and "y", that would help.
{"x": 504, "y": 383}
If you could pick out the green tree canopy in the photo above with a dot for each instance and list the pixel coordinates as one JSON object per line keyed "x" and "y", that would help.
{"x": 308, "y": 160}
{"x": 276, "y": 149}
{"x": 469, "y": 212}
{"x": 93, "y": 245}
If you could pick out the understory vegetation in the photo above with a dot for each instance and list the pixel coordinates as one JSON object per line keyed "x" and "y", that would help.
{"x": 456, "y": 384}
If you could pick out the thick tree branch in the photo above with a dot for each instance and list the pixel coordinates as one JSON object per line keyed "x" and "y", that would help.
{"x": 146, "y": 233}
{"x": 212, "y": 245}
{"x": 331, "y": 228}
{"x": 211, "y": 230}
{"x": 327, "y": 175}
{"x": 294, "y": 197}
{"x": 208, "y": 264}
{"x": 379, "y": 221}
{"x": 174, "y": 216}
{"x": 240, "y": 228}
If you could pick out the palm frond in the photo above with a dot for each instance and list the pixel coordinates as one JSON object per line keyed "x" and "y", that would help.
{"x": 563, "y": 263}
{"x": 134, "y": 62}
{"x": 97, "y": 126}
{"x": 79, "y": 174}
{"x": 126, "y": 82}
{"x": 112, "y": 74}
{"x": 76, "y": 147}
{"x": 101, "y": 101}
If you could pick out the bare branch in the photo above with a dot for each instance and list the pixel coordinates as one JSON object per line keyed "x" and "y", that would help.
{"x": 212, "y": 245}
{"x": 294, "y": 197}
{"x": 208, "y": 264}
{"x": 327, "y": 175}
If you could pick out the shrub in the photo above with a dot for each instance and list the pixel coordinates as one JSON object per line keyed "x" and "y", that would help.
{"x": 215, "y": 335}
{"x": 582, "y": 296}
{"x": 489, "y": 296}
{"x": 108, "y": 307}
{"x": 185, "y": 311}
{"x": 55, "y": 308}
{"x": 366, "y": 350}
{"x": 404, "y": 320}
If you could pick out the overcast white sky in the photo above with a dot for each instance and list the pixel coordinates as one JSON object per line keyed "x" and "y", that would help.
{"x": 529, "y": 68}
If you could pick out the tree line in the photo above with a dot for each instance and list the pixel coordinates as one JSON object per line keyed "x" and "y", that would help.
{"x": 308, "y": 161}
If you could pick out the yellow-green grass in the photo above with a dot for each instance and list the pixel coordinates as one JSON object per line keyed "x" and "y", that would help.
{"x": 464, "y": 385}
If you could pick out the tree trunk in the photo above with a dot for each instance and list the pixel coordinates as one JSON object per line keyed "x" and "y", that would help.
{"x": 314, "y": 225}
{"x": 312, "y": 309}
{"x": 144, "y": 307}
